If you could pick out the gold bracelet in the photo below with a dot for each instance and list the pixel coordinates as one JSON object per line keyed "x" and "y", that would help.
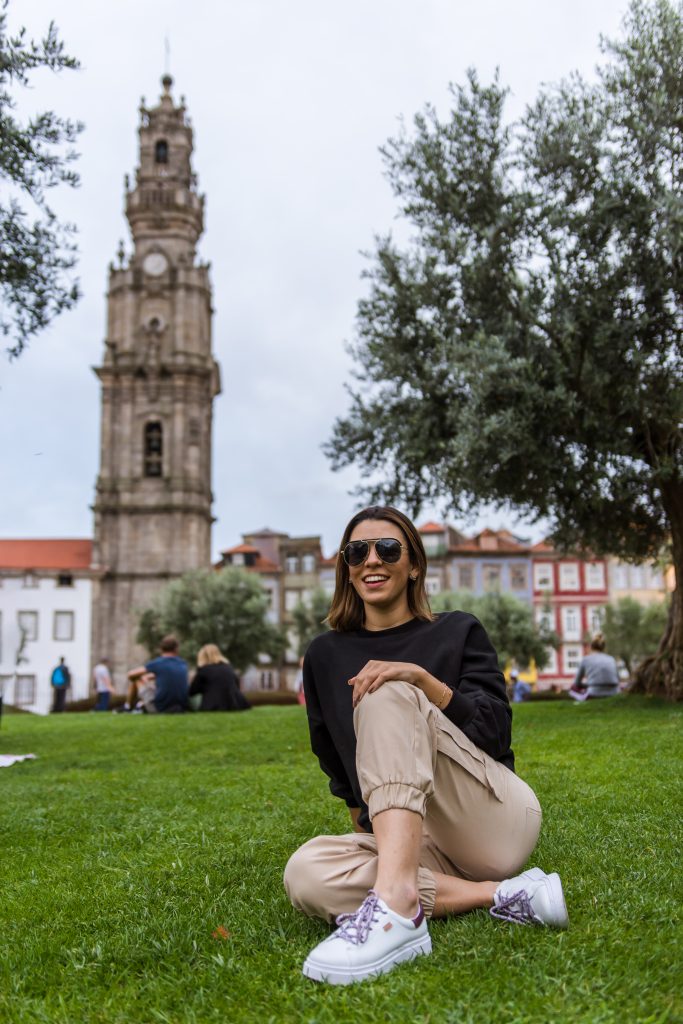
{"x": 446, "y": 691}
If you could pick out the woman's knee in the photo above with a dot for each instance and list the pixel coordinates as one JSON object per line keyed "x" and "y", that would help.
{"x": 304, "y": 877}
{"x": 392, "y": 697}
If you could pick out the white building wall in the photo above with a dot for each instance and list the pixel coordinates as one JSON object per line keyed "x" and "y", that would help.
{"x": 43, "y": 654}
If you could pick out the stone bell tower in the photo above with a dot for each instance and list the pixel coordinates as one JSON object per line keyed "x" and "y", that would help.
{"x": 159, "y": 378}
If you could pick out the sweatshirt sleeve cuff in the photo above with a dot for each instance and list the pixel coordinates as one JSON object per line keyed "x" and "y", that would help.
{"x": 459, "y": 710}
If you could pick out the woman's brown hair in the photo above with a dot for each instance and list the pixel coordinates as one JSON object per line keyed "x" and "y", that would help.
{"x": 346, "y": 612}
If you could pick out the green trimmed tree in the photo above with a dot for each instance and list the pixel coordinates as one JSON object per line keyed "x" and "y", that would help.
{"x": 37, "y": 252}
{"x": 509, "y": 623}
{"x": 227, "y": 608}
{"x": 632, "y": 631}
{"x": 524, "y": 349}
{"x": 309, "y": 618}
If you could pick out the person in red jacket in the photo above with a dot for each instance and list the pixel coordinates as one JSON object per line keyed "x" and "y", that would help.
{"x": 409, "y": 717}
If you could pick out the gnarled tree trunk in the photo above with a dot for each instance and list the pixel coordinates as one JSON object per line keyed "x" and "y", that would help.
{"x": 662, "y": 674}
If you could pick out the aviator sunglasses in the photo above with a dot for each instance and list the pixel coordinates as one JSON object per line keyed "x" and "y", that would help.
{"x": 388, "y": 549}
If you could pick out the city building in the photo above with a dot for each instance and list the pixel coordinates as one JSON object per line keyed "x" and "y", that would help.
{"x": 291, "y": 570}
{"x": 439, "y": 540}
{"x": 492, "y": 561}
{"x": 152, "y": 509}
{"x": 45, "y": 615}
{"x": 569, "y": 594}
{"x": 644, "y": 583}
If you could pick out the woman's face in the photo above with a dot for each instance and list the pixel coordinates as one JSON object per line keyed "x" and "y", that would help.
{"x": 377, "y": 583}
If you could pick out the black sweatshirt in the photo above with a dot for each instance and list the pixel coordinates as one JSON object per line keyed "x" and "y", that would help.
{"x": 454, "y": 648}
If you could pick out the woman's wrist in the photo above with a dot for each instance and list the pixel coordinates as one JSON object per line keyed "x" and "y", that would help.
{"x": 437, "y": 692}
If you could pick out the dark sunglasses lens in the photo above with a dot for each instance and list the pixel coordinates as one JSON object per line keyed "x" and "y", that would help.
{"x": 355, "y": 552}
{"x": 389, "y": 550}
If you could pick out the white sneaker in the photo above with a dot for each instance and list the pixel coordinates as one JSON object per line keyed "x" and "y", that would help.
{"x": 368, "y": 942}
{"x": 531, "y": 898}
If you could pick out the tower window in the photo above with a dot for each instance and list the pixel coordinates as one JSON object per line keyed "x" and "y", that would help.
{"x": 161, "y": 152}
{"x": 153, "y": 448}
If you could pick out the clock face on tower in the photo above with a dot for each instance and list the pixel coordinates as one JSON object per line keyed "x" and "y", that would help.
{"x": 154, "y": 264}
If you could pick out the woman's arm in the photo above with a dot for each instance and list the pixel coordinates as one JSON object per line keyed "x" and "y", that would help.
{"x": 376, "y": 673}
{"x": 321, "y": 741}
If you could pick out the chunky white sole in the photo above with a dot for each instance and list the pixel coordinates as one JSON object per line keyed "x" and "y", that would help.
{"x": 346, "y": 976}
{"x": 557, "y": 902}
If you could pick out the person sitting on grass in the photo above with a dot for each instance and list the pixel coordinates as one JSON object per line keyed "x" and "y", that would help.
{"x": 409, "y": 718}
{"x": 597, "y": 674}
{"x": 217, "y": 682}
{"x": 170, "y": 676}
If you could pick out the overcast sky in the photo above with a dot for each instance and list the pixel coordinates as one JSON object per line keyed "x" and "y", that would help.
{"x": 290, "y": 100}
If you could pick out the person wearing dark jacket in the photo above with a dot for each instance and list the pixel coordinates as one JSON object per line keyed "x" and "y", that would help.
{"x": 409, "y": 718}
{"x": 217, "y": 682}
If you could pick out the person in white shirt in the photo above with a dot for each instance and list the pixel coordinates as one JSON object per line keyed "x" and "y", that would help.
{"x": 103, "y": 684}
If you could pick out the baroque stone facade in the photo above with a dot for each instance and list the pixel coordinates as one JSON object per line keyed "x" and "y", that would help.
{"x": 159, "y": 378}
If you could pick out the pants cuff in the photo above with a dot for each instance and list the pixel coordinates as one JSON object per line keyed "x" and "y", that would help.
{"x": 427, "y": 889}
{"x": 398, "y": 795}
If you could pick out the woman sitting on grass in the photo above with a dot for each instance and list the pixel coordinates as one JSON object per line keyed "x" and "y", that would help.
{"x": 217, "y": 682}
{"x": 409, "y": 718}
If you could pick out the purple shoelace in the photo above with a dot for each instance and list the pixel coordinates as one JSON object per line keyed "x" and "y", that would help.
{"x": 516, "y": 907}
{"x": 355, "y": 927}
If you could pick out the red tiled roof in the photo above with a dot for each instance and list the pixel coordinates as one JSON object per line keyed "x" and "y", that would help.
{"x": 46, "y": 554}
{"x": 265, "y": 565}
{"x": 431, "y": 527}
{"x": 332, "y": 560}
{"x": 491, "y": 542}
{"x": 241, "y": 549}
{"x": 543, "y": 548}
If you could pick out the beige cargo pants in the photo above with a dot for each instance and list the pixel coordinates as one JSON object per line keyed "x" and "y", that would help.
{"x": 481, "y": 821}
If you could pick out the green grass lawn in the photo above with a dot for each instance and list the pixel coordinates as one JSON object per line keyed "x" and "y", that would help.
{"x": 132, "y": 839}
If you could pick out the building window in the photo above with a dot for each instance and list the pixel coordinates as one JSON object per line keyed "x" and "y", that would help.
{"x": 434, "y": 544}
{"x": 266, "y": 681}
{"x": 621, "y": 577}
{"x": 308, "y": 563}
{"x": 545, "y": 619}
{"x": 551, "y": 667}
{"x": 65, "y": 579}
{"x": 569, "y": 576}
{"x": 270, "y": 597}
{"x": 433, "y": 585}
{"x": 595, "y": 576}
{"x": 25, "y": 690}
{"x": 194, "y": 431}
{"x": 238, "y": 558}
{"x": 63, "y": 626}
{"x": 161, "y": 151}
{"x": 571, "y": 623}
{"x": 518, "y": 577}
{"x": 153, "y": 448}
{"x": 292, "y": 563}
{"x": 30, "y": 581}
{"x": 596, "y": 618}
{"x": 491, "y": 577}
{"x": 543, "y": 576}
{"x": 656, "y": 581}
{"x": 28, "y": 624}
{"x": 292, "y": 599}
{"x": 637, "y": 577}
{"x": 466, "y": 577}
{"x": 572, "y": 657}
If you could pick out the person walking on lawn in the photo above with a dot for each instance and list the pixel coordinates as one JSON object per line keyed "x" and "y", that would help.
{"x": 409, "y": 718}
{"x": 61, "y": 681}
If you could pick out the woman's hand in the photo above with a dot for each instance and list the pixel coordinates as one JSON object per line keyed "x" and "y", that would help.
{"x": 377, "y": 673}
